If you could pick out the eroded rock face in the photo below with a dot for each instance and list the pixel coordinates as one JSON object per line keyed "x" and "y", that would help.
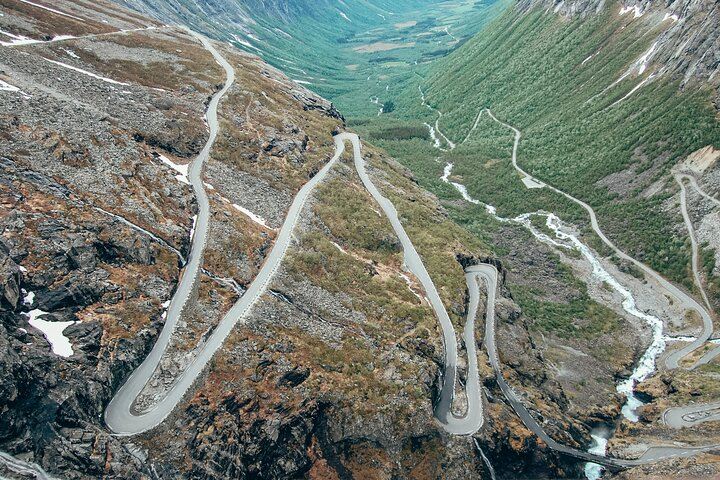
{"x": 56, "y": 260}
{"x": 9, "y": 281}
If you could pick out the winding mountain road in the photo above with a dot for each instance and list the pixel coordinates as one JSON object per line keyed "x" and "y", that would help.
{"x": 684, "y": 417}
{"x": 712, "y": 353}
{"x": 702, "y": 192}
{"x": 689, "y": 416}
{"x": 123, "y": 419}
{"x": 473, "y": 418}
{"x": 488, "y": 275}
{"x": 680, "y": 179}
{"x": 118, "y": 415}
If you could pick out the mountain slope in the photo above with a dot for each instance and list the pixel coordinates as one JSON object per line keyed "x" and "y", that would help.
{"x": 688, "y": 47}
{"x": 619, "y": 112}
{"x": 333, "y": 373}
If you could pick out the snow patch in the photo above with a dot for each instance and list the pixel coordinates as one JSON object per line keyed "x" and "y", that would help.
{"x": 53, "y": 331}
{"x": 409, "y": 284}
{"x": 61, "y": 37}
{"x": 296, "y": 68}
{"x": 165, "y": 306}
{"x": 344, "y": 16}
{"x": 283, "y": 33}
{"x": 638, "y": 11}
{"x": 255, "y": 218}
{"x": 671, "y": 16}
{"x": 181, "y": 169}
{"x": 16, "y": 39}
{"x": 23, "y": 40}
{"x": 52, "y": 10}
{"x": 6, "y": 87}
{"x": 646, "y": 58}
{"x": 85, "y": 72}
{"x": 28, "y": 297}
{"x": 244, "y": 42}
{"x": 342, "y": 250}
{"x": 636, "y": 88}
{"x": 447, "y": 31}
{"x": 70, "y": 53}
{"x": 641, "y": 64}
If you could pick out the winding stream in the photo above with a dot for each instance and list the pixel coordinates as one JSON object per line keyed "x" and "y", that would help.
{"x": 646, "y": 365}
